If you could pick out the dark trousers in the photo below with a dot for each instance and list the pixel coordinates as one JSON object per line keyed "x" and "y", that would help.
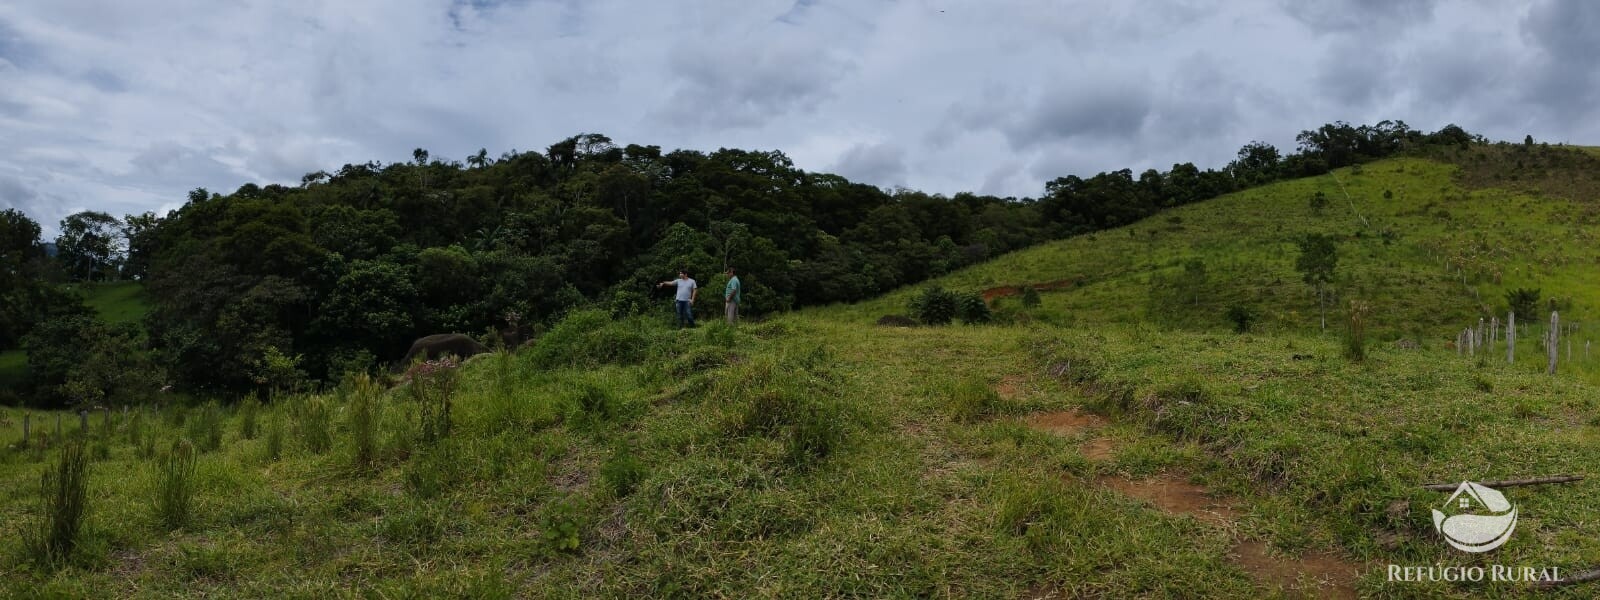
{"x": 685, "y": 314}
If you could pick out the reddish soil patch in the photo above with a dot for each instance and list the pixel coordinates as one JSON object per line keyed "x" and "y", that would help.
{"x": 1175, "y": 495}
{"x": 1066, "y": 422}
{"x": 1313, "y": 575}
{"x": 1098, "y": 449}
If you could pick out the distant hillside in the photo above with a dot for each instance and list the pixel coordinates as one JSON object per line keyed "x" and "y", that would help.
{"x": 1431, "y": 243}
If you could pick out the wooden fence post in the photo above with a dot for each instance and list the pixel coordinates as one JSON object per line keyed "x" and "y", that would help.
{"x": 26, "y": 418}
{"x": 1511, "y": 337}
{"x": 1555, "y": 330}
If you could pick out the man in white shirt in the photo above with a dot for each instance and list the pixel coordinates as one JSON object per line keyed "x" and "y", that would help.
{"x": 688, "y": 290}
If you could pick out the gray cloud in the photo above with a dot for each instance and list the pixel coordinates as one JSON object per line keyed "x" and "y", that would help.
{"x": 125, "y": 106}
{"x": 880, "y": 164}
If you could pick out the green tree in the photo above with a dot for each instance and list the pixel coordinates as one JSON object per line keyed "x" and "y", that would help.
{"x": 91, "y": 245}
{"x": 1319, "y": 258}
{"x": 1524, "y": 302}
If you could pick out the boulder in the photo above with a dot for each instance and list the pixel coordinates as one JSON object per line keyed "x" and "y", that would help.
{"x": 441, "y": 344}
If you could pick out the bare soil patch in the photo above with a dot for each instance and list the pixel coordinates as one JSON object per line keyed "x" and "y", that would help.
{"x": 1066, "y": 422}
{"x": 1176, "y": 495}
{"x": 1016, "y": 290}
{"x": 1098, "y": 449}
{"x": 1313, "y": 575}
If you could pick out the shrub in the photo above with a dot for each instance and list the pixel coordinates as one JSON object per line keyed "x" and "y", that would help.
{"x": 366, "y": 409}
{"x": 433, "y": 386}
{"x": 175, "y": 485}
{"x": 63, "y": 503}
{"x": 1242, "y": 316}
{"x": 248, "y": 410}
{"x": 1525, "y": 303}
{"x": 934, "y": 306}
{"x": 1030, "y": 297}
{"x": 972, "y": 309}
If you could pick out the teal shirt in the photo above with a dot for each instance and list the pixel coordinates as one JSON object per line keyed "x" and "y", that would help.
{"x": 731, "y": 293}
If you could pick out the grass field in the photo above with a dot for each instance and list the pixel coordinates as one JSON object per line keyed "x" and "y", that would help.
{"x": 1096, "y": 446}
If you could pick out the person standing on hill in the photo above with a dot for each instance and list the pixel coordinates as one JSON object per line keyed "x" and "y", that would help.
{"x": 688, "y": 290}
{"x": 731, "y": 297}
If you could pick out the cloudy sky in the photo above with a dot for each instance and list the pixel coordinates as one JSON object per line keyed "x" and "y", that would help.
{"x": 124, "y": 106}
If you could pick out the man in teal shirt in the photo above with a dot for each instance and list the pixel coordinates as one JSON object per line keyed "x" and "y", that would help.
{"x": 730, "y": 297}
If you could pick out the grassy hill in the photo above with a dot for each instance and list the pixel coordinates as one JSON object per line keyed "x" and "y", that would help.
{"x": 1105, "y": 444}
{"x": 116, "y": 302}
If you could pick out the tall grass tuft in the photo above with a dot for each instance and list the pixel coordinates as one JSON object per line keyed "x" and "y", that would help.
{"x": 1355, "y": 340}
{"x": 205, "y": 428}
{"x": 136, "y": 427}
{"x": 175, "y": 485}
{"x": 366, "y": 415}
{"x": 433, "y": 385}
{"x": 311, "y": 415}
{"x": 274, "y": 450}
{"x": 63, "y": 503}
{"x": 249, "y": 408}
{"x": 970, "y": 399}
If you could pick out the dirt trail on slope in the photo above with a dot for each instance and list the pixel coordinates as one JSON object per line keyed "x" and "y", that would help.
{"x": 1016, "y": 290}
{"x": 1312, "y": 575}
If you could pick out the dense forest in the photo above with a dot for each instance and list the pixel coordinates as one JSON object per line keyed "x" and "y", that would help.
{"x": 278, "y": 287}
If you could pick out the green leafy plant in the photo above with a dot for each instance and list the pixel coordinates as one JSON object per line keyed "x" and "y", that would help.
{"x": 622, "y": 472}
{"x": 934, "y": 306}
{"x": 972, "y": 309}
{"x": 1525, "y": 303}
{"x": 1030, "y": 297}
{"x": 561, "y": 526}
{"x": 175, "y": 485}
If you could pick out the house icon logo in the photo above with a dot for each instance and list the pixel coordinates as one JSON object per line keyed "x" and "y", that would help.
{"x": 1475, "y": 518}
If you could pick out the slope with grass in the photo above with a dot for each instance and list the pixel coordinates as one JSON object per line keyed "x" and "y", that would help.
{"x": 1090, "y": 448}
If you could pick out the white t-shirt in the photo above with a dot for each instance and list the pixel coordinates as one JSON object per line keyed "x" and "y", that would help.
{"x": 685, "y": 287}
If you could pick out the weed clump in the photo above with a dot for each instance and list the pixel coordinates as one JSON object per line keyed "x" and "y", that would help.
{"x": 1030, "y": 297}
{"x": 366, "y": 411}
{"x": 248, "y": 410}
{"x": 63, "y": 504}
{"x": 433, "y": 386}
{"x": 970, "y": 399}
{"x": 591, "y": 337}
{"x": 622, "y": 472}
{"x": 206, "y": 428}
{"x": 274, "y": 450}
{"x": 311, "y": 415}
{"x": 1355, "y": 340}
{"x": 175, "y": 485}
{"x": 790, "y": 400}
{"x": 1242, "y": 316}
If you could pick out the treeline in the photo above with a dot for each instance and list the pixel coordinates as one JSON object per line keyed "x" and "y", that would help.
{"x": 278, "y": 286}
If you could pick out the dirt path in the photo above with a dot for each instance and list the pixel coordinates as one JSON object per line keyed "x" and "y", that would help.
{"x": 1312, "y": 575}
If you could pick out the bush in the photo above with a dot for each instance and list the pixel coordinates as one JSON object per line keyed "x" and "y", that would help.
{"x": 175, "y": 485}
{"x": 1030, "y": 297}
{"x": 934, "y": 306}
{"x": 63, "y": 503}
{"x": 973, "y": 309}
{"x": 1242, "y": 316}
{"x": 1525, "y": 303}
{"x": 561, "y": 525}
